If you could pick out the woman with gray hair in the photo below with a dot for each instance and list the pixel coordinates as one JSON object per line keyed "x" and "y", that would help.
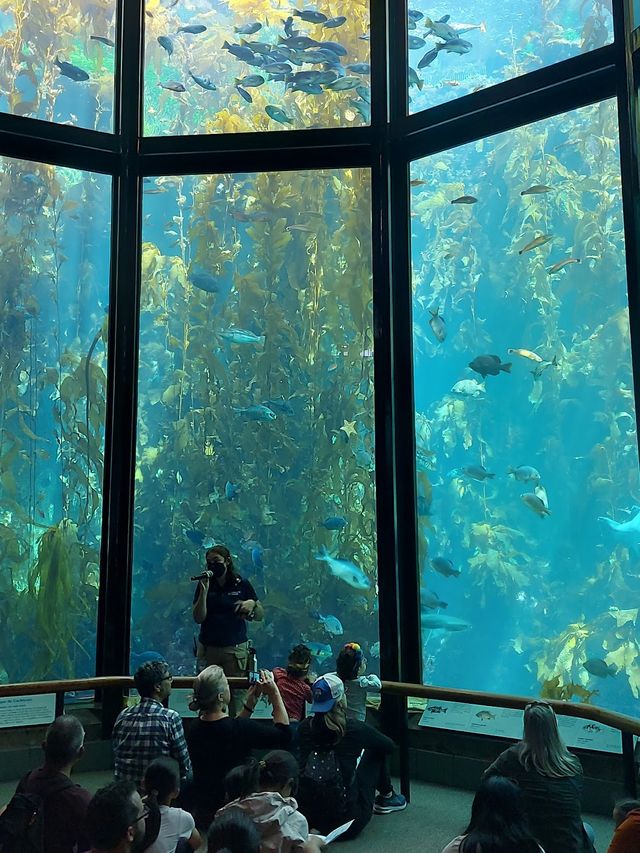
{"x": 218, "y": 742}
{"x": 551, "y": 781}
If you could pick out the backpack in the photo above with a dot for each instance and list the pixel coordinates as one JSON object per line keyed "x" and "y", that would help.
{"x": 22, "y": 822}
{"x": 322, "y": 793}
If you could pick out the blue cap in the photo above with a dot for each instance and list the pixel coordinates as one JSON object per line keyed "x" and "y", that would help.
{"x": 326, "y": 691}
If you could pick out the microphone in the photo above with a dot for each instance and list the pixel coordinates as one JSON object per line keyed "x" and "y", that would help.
{"x": 201, "y": 577}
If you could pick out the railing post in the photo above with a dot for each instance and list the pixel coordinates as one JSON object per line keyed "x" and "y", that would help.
{"x": 628, "y": 765}
{"x": 405, "y": 766}
{"x": 59, "y": 703}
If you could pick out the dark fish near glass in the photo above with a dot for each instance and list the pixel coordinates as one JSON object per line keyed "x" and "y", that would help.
{"x": 166, "y": 43}
{"x": 173, "y": 86}
{"x": 489, "y": 365}
{"x": 244, "y": 94}
{"x": 193, "y": 29}
{"x": 600, "y": 668}
{"x": 248, "y": 29}
{"x": 334, "y": 522}
{"x": 445, "y": 567}
{"x": 465, "y": 199}
{"x": 535, "y": 243}
{"x": 477, "y": 472}
{"x": 67, "y": 69}
{"x": 333, "y": 23}
{"x": 103, "y": 40}
{"x": 437, "y": 324}
{"x": 311, "y": 16}
{"x": 203, "y": 82}
{"x": 204, "y": 281}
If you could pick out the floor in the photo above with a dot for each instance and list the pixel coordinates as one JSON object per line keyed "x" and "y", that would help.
{"x": 434, "y": 816}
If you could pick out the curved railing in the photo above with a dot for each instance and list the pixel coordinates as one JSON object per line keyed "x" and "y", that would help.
{"x": 627, "y": 726}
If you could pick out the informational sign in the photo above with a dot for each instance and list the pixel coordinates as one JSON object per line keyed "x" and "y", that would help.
{"x": 27, "y": 710}
{"x": 507, "y": 723}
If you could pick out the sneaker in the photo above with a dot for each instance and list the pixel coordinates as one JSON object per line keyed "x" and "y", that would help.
{"x": 392, "y": 802}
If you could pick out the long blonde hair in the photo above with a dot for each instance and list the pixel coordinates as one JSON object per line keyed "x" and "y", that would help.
{"x": 329, "y": 727}
{"x": 542, "y": 748}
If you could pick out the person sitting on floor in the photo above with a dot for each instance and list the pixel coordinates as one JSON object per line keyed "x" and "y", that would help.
{"x": 177, "y": 827}
{"x": 115, "y": 819}
{"x": 264, "y": 790}
{"x": 64, "y": 802}
{"x": 334, "y": 787}
{"x": 498, "y": 823}
{"x": 626, "y": 837}
{"x": 551, "y": 781}
{"x": 233, "y": 832}
{"x": 148, "y": 730}
{"x": 351, "y": 666}
{"x": 218, "y": 742}
{"x": 294, "y": 683}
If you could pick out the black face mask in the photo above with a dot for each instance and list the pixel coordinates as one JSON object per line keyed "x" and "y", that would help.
{"x": 218, "y": 569}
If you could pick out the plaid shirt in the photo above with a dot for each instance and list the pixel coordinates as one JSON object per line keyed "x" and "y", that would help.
{"x": 144, "y": 732}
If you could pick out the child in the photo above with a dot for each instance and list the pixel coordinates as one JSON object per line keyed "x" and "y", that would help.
{"x": 294, "y": 682}
{"x": 162, "y": 784}
{"x": 351, "y": 666}
{"x": 263, "y": 790}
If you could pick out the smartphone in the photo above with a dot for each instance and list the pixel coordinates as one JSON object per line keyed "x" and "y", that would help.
{"x": 254, "y": 677}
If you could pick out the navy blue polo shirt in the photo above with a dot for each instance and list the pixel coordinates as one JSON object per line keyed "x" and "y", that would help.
{"x": 222, "y": 627}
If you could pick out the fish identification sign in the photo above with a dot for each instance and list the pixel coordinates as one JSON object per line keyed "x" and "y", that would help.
{"x": 27, "y": 710}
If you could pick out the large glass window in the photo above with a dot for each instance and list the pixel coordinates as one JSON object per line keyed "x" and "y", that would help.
{"x": 527, "y": 460}
{"x": 477, "y": 45}
{"x": 57, "y": 61}
{"x": 54, "y": 281}
{"x": 255, "y": 425}
{"x": 238, "y": 66}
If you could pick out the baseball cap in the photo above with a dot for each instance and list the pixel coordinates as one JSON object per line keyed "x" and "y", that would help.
{"x": 326, "y": 691}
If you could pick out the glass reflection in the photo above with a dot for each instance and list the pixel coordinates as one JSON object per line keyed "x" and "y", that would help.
{"x": 527, "y": 460}
{"x": 256, "y": 409}
{"x": 54, "y": 284}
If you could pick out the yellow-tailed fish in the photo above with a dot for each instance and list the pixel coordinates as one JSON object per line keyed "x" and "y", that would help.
{"x": 536, "y": 189}
{"x": 526, "y": 353}
{"x": 535, "y": 243}
{"x": 565, "y": 263}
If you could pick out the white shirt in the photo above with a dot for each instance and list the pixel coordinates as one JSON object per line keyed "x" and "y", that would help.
{"x": 174, "y": 825}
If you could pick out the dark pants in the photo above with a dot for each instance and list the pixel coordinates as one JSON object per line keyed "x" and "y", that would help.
{"x": 371, "y": 776}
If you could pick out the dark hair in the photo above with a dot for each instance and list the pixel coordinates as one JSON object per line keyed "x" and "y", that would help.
{"x": 270, "y": 773}
{"x": 299, "y": 661}
{"x": 110, "y": 812}
{"x": 148, "y": 675}
{"x": 225, "y": 553}
{"x": 498, "y": 823}
{"x": 233, "y": 832}
{"x": 63, "y": 740}
{"x": 348, "y": 662}
{"x": 162, "y": 777}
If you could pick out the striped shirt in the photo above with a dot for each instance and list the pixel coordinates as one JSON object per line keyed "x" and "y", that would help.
{"x": 144, "y": 732}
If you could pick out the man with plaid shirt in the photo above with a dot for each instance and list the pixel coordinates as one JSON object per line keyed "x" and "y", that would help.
{"x": 149, "y": 730}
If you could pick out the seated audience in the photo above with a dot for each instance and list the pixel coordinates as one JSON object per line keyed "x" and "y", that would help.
{"x": 551, "y": 781}
{"x": 162, "y": 786}
{"x": 233, "y": 832}
{"x": 294, "y": 683}
{"x": 116, "y": 819}
{"x": 626, "y": 837}
{"x": 334, "y": 788}
{"x": 264, "y": 790}
{"x": 498, "y": 823}
{"x": 149, "y": 730}
{"x": 218, "y": 742}
{"x": 351, "y": 667}
{"x": 64, "y": 802}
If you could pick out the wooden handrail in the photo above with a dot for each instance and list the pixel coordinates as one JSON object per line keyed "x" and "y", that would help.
{"x": 450, "y": 694}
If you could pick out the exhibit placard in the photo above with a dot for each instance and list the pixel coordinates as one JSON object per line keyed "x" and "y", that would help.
{"x": 27, "y": 710}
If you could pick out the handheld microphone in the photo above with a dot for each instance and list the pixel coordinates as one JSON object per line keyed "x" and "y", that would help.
{"x": 201, "y": 577}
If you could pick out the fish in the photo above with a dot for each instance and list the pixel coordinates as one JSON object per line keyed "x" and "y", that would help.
{"x": 278, "y": 68}
{"x": 331, "y": 624}
{"x": 342, "y": 84}
{"x": 465, "y": 199}
{"x": 251, "y": 81}
{"x": 203, "y": 82}
{"x": 526, "y": 353}
{"x": 195, "y": 536}
{"x": 417, "y": 182}
{"x": 204, "y": 281}
{"x": 477, "y": 472}
{"x": 428, "y": 58}
{"x": 239, "y": 51}
{"x": 320, "y": 651}
{"x": 485, "y": 716}
{"x": 365, "y": 93}
{"x": 441, "y": 621}
{"x": 173, "y": 86}
{"x": 536, "y": 189}
{"x": 67, "y": 69}
{"x": 600, "y": 668}
{"x": 437, "y": 324}
{"x": 103, "y": 40}
{"x": 255, "y": 413}
{"x": 431, "y": 600}
{"x": 277, "y": 114}
{"x": 280, "y": 405}
{"x": 299, "y": 42}
{"x": 535, "y": 243}
{"x": 345, "y": 570}
{"x": 241, "y": 336}
{"x": 561, "y": 264}
{"x": 415, "y": 42}
{"x": 467, "y": 28}
{"x": 247, "y": 97}
{"x": 540, "y": 368}
{"x": 333, "y": 23}
{"x": 535, "y": 504}
{"x": 166, "y": 43}
{"x": 441, "y": 28}
{"x": 248, "y": 29}
{"x": 359, "y": 68}
{"x": 413, "y": 78}
{"x": 231, "y": 490}
{"x": 334, "y": 522}
{"x": 469, "y": 388}
{"x": 525, "y": 474}
{"x": 415, "y": 15}
{"x": 489, "y": 365}
{"x": 335, "y": 47}
{"x": 626, "y": 529}
{"x": 311, "y": 16}
{"x": 445, "y": 567}
{"x": 192, "y": 29}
